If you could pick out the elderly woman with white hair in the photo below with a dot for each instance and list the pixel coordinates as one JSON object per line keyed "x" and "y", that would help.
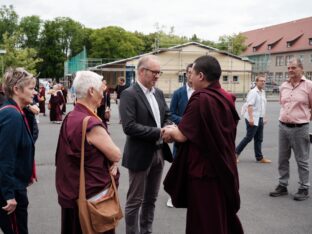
{"x": 101, "y": 154}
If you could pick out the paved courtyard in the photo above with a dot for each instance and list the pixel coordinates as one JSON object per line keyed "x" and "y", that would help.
{"x": 260, "y": 214}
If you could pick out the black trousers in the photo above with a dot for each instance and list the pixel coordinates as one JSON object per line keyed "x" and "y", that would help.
{"x": 71, "y": 223}
{"x": 15, "y": 223}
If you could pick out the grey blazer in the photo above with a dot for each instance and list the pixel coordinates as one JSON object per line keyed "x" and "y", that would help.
{"x": 140, "y": 127}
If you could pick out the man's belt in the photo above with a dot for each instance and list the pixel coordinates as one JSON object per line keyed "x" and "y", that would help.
{"x": 293, "y": 125}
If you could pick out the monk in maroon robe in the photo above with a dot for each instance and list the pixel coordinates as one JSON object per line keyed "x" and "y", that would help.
{"x": 56, "y": 103}
{"x": 208, "y": 129}
{"x": 42, "y": 99}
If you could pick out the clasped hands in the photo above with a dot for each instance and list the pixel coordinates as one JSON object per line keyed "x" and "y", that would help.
{"x": 167, "y": 133}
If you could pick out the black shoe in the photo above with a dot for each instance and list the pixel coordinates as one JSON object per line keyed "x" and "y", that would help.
{"x": 301, "y": 195}
{"x": 279, "y": 191}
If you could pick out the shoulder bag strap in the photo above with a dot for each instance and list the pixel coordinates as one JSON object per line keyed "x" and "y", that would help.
{"x": 82, "y": 183}
{"x": 9, "y": 106}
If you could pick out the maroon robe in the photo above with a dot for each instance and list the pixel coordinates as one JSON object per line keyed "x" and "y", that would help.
{"x": 209, "y": 123}
{"x": 68, "y": 167}
{"x": 56, "y": 103}
{"x": 42, "y": 100}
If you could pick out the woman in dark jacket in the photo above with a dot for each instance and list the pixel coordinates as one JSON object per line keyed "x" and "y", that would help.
{"x": 16, "y": 151}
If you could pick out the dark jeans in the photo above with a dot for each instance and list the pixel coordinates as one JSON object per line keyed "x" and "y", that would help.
{"x": 256, "y": 133}
{"x": 15, "y": 223}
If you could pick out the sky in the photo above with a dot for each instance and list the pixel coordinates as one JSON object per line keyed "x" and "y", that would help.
{"x": 207, "y": 19}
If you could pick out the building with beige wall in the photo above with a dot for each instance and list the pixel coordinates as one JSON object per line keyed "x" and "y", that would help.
{"x": 236, "y": 71}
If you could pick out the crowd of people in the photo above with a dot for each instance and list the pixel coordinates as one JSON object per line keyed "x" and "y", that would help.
{"x": 201, "y": 122}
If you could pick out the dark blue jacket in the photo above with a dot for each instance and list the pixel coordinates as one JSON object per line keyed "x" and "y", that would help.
{"x": 16, "y": 151}
{"x": 178, "y": 104}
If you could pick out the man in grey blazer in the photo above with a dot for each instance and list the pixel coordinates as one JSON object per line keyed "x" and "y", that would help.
{"x": 143, "y": 112}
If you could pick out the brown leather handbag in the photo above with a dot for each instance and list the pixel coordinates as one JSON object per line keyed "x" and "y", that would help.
{"x": 103, "y": 212}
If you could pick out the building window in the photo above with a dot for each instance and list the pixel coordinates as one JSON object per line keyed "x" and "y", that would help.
{"x": 235, "y": 79}
{"x": 279, "y": 61}
{"x": 288, "y": 44}
{"x": 310, "y": 58}
{"x": 225, "y": 79}
{"x": 310, "y": 41}
{"x": 301, "y": 57}
{"x": 254, "y": 49}
{"x": 269, "y": 47}
{"x": 279, "y": 77}
{"x": 287, "y": 59}
{"x": 270, "y": 77}
{"x": 286, "y": 75}
{"x": 308, "y": 75}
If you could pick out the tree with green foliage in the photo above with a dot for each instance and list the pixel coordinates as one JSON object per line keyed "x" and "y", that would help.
{"x": 30, "y": 31}
{"x": 113, "y": 43}
{"x": 232, "y": 43}
{"x": 51, "y": 51}
{"x": 18, "y": 57}
{"x": 209, "y": 43}
{"x": 166, "y": 40}
{"x": 72, "y": 35}
{"x": 8, "y": 21}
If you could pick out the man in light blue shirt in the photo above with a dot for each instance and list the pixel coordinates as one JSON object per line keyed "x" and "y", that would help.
{"x": 254, "y": 113}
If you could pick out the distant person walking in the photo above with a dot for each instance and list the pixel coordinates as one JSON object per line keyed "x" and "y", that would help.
{"x": 254, "y": 114}
{"x": 103, "y": 111}
{"x": 42, "y": 99}
{"x": 56, "y": 103}
{"x": 295, "y": 115}
{"x": 120, "y": 87}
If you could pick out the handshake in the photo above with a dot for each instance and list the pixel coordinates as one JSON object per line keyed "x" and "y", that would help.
{"x": 168, "y": 133}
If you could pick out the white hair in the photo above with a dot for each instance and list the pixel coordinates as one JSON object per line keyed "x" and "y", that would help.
{"x": 85, "y": 80}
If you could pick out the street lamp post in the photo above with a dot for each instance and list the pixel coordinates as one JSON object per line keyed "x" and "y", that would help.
{"x": 2, "y": 67}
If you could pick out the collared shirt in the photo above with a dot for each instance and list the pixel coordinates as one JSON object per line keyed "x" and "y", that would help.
{"x": 257, "y": 99}
{"x": 149, "y": 94}
{"x": 296, "y": 102}
{"x": 189, "y": 91}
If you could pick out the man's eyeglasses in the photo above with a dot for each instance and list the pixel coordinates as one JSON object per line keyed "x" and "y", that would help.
{"x": 155, "y": 73}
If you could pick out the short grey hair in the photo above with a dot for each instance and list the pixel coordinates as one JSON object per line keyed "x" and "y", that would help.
{"x": 16, "y": 77}
{"x": 297, "y": 61}
{"x": 85, "y": 80}
{"x": 144, "y": 60}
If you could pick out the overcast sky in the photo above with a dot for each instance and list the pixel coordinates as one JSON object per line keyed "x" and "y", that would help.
{"x": 207, "y": 19}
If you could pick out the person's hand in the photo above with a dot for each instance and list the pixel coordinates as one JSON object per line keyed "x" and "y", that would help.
{"x": 166, "y": 133}
{"x": 34, "y": 109}
{"x": 11, "y": 206}
{"x": 114, "y": 169}
{"x": 107, "y": 114}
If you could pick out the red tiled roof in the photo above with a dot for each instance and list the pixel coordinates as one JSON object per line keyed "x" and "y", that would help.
{"x": 297, "y": 33}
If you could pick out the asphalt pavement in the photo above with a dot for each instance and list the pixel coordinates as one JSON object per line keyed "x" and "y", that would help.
{"x": 259, "y": 213}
